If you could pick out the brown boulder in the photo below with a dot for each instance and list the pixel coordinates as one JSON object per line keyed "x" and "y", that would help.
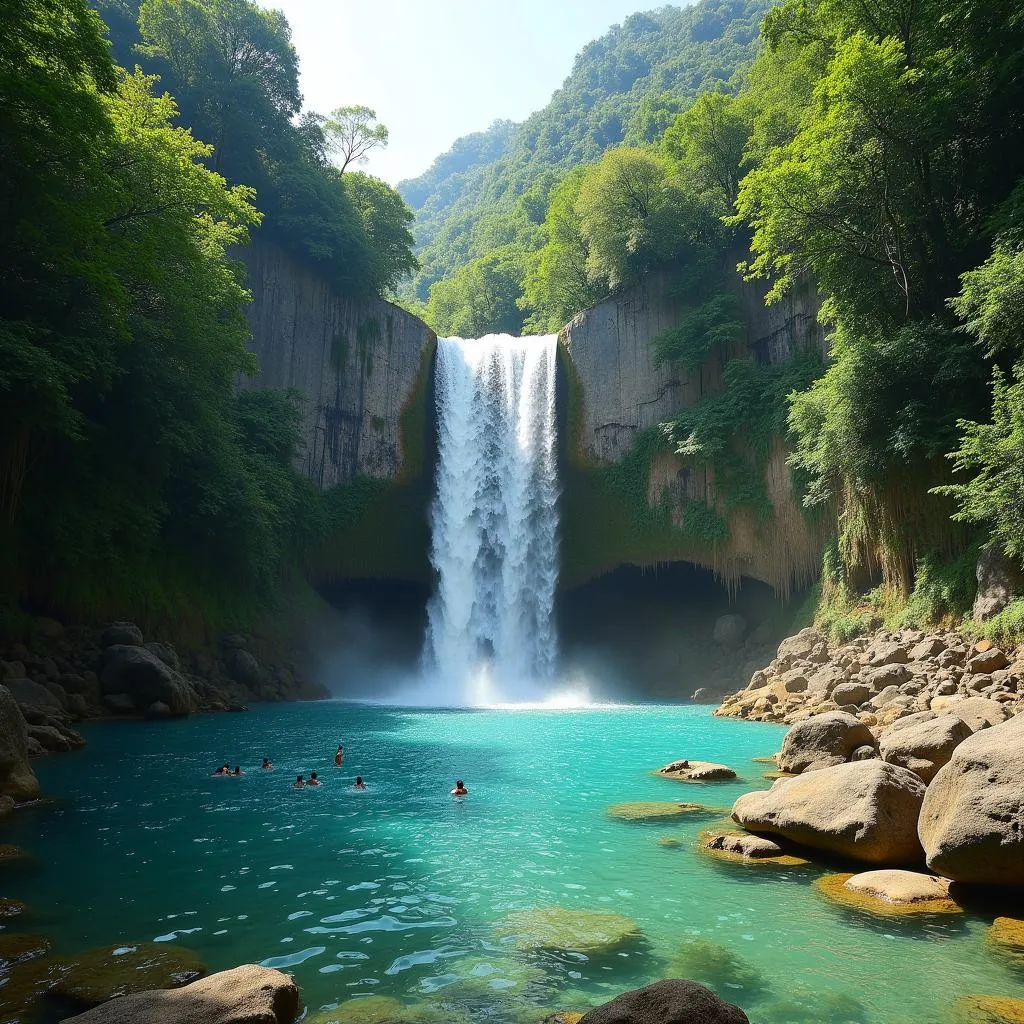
{"x": 865, "y": 810}
{"x": 823, "y": 741}
{"x": 245, "y": 995}
{"x": 924, "y": 747}
{"x": 17, "y": 780}
{"x": 673, "y": 1001}
{"x": 972, "y": 821}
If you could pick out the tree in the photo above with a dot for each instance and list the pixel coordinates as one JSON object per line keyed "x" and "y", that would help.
{"x": 353, "y": 133}
{"x": 385, "y": 220}
{"x": 481, "y": 297}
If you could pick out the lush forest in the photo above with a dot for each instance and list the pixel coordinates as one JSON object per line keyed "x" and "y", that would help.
{"x": 873, "y": 151}
{"x": 139, "y": 145}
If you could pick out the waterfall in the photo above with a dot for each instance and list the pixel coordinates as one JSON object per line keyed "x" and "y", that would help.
{"x": 490, "y": 634}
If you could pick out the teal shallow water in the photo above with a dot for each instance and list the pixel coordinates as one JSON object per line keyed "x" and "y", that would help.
{"x": 395, "y": 891}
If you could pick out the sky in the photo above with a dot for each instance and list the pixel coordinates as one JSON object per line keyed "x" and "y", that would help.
{"x": 434, "y": 70}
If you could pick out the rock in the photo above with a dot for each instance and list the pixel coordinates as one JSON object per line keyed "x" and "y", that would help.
{"x": 653, "y": 810}
{"x": 742, "y": 846}
{"x": 673, "y": 1001}
{"x": 245, "y": 669}
{"x": 972, "y": 821}
{"x": 142, "y": 675}
{"x": 6, "y": 806}
{"x": 851, "y": 693}
{"x": 49, "y": 738}
{"x": 560, "y": 928}
{"x": 879, "y": 678}
{"x": 245, "y": 995}
{"x": 884, "y": 653}
{"x": 977, "y": 712}
{"x": 33, "y": 695}
{"x": 1006, "y": 939}
{"x": 890, "y": 892}
{"x": 35, "y": 748}
{"x": 126, "y": 633}
{"x": 702, "y": 696}
{"x": 930, "y": 647}
{"x": 166, "y": 653}
{"x": 800, "y": 646}
{"x": 17, "y": 780}
{"x": 865, "y": 753}
{"x": 987, "y": 661}
{"x": 696, "y": 771}
{"x": 51, "y": 629}
{"x": 925, "y": 746}
{"x": 794, "y": 681}
{"x": 729, "y": 631}
{"x": 822, "y": 741}
{"x": 72, "y": 683}
{"x": 385, "y": 1010}
{"x": 19, "y": 947}
{"x": 999, "y": 583}
{"x": 865, "y": 810}
{"x": 988, "y": 1010}
{"x": 119, "y": 703}
{"x": 100, "y": 974}
{"x": 719, "y": 968}
{"x": 158, "y": 709}
{"x": 11, "y": 908}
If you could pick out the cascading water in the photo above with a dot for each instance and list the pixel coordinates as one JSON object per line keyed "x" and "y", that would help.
{"x": 491, "y": 634}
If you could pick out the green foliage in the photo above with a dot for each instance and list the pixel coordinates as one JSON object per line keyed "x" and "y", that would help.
{"x": 352, "y": 133}
{"x": 1006, "y": 628}
{"x": 943, "y": 593}
{"x": 630, "y": 80}
{"x": 480, "y": 297}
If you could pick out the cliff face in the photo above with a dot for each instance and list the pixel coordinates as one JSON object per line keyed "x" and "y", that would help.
{"x": 623, "y": 391}
{"x": 357, "y": 365}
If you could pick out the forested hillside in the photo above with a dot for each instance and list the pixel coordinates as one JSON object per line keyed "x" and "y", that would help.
{"x": 134, "y": 480}
{"x": 485, "y": 199}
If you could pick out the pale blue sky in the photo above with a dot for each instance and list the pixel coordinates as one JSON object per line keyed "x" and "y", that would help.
{"x": 437, "y": 69}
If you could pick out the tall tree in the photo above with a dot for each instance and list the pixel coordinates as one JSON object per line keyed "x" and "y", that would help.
{"x": 353, "y": 133}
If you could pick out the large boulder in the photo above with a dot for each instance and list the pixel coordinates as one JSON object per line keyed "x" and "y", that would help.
{"x": 999, "y": 582}
{"x": 864, "y": 810}
{"x": 246, "y": 995}
{"x": 729, "y": 631}
{"x": 795, "y": 648}
{"x": 686, "y": 770}
{"x": 925, "y": 746}
{"x": 17, "y": 780}
{"x": 34, "y": 695}
{"x": 122, "y": 633}
{"x": 245, "y": 669}
{"x": 145, "y": 678}
{"x": 890, "y": 892}
{"x": 972, "y": 821}
{"x": 823, "y": 741}
{"x": 673, "y": 1001}
{"x": 976, "y": 712}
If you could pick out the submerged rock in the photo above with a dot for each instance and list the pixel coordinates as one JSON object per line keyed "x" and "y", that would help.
{"x": 100, "y": 974}
{"x": 723, "y": 971}
{"x": 988, "y": 1010}
{"x": 656, "y": 810}
{"x": 1006, "y": 939}
{"x": 972, "y": 821}
{"x": 822, "y": 742}
{"x": 890, "y": 892}
{"x": 19, "y": 947}
{"x": 246, "y": 995}
{"x": 377, "y": 1010}
{"x": 685, "y": 770}
{"x": 865, "y": 810}
{"x": 582, "y": 931}
{"x": 667, "y": 1002}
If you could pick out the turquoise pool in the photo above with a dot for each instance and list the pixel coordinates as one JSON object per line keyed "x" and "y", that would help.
{"x": 396, "y": 891}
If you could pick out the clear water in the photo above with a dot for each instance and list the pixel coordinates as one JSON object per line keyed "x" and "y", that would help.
{"x": 494, "y": 520}
{"x": 395, "y": 891}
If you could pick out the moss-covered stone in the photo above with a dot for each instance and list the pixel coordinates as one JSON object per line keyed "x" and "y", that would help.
{"x": 18, "y": 947}
{"x": 384, "y": 1010}
{"x": 726, "y": 973}
{"x": 11, "y": 908}
{"x": 26, "y": 985}
{"x": 742, "y": 848}
{"x": 669, "y": 842}
{"x": 100, "y": 974}
{"x": 988, "y": 1010}
{"x": 890, "y": 893}
{"x": 764, "y": 760}
{"x": 562, "y": 928}
{"x": 1006, "y": 939}
{"x": 11, "y": 854}
{"x": 657, "y": 811}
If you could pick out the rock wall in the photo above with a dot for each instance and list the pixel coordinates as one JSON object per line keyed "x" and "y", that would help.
{"x": 622, "y": 390}
{"x": 625, "y": 391}
{"x": 357, "y": 365}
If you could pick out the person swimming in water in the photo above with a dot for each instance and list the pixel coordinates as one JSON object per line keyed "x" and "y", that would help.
{"x": 460, "y": 789}
{"x": 359, "y": 784}
{"x": 266, "y": 764}
{"x": 237, "y": 771}
{"x": 339, "y": 756}
{"x": 313, "y": 780}
{"x": 223, "y": 770}
{"x": 299, "y": 783}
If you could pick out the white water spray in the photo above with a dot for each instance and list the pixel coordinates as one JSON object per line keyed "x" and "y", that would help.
{"x": 491, "y": 635}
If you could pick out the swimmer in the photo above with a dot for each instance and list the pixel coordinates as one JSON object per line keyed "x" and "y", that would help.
{"x": 299, "y": 783}
{"x": 313, "y": 780}
{"x": 359, "y": 784}
{"x": 339, "y": 756}
{"x": 223, "y": 770}
{"x": 266, "y": 764}
{"x": 460, "y": 789}
{"x": 237, "y": 771}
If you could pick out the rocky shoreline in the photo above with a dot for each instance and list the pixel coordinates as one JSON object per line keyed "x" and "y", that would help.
{"x": 65, "y": 676}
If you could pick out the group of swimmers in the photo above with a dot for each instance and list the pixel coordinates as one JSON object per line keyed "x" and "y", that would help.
{"x": 301, "y": 782}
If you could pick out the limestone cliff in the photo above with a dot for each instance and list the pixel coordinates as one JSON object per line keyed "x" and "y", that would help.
{"x": 357, "y": 365}
{"x": 621, "y": 390}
